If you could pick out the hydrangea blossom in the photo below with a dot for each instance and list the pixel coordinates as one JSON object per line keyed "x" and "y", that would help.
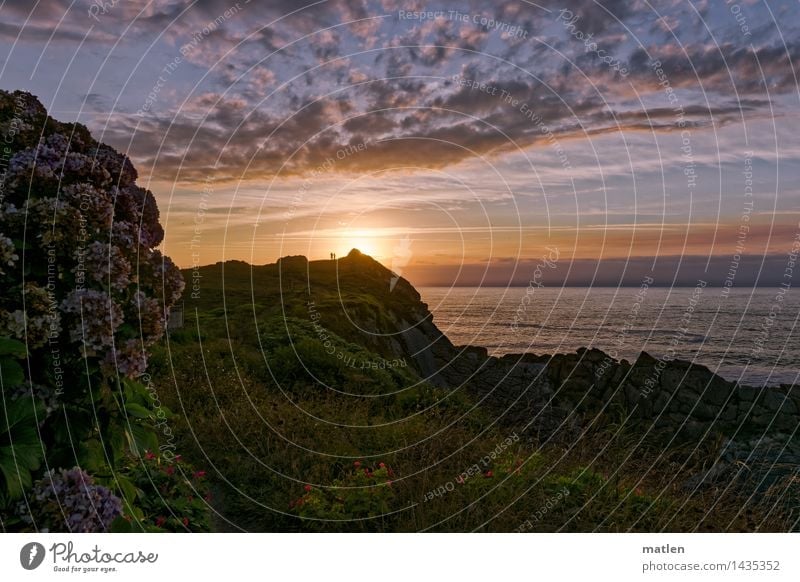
{"x": 151, "y": 321}
{"x": 8, "y": 254}
{"x": 96, "y": 206}
{"x": 137, "y": 206}
{"x": 106, "y": 264}
{"x": 95, "y": 318}
{"x": 37, "y": 322}
{"x": 90, "y": 240}
{"x": 127, "y": 359}
{"x": 69, "y": 501}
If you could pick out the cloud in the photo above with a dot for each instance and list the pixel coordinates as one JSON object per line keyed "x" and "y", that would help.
{"x": 727, "y": 68}
{"x": 403, "y": 124}
{"x": 363, "y": 75}
{"x": 595, "y": 16}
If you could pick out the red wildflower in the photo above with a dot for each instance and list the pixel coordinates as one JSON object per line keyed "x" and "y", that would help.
{"x": 160, "y": 520}
{"x": 178, "y": 457}
{"x": 488, "y": 474}
{"x": 149, "y": 456}
{"x": 199, "y": 474}
{"x": 169, "y": 470}
{"x": 307, "y": 487}
{"x": 381, "y": 465}
{"x": 186, "y": 521}
{"x": 357, "y": 464}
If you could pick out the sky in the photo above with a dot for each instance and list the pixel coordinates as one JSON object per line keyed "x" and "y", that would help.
{"x": 456, "y": 142}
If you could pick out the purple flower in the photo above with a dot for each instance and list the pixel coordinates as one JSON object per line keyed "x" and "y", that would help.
{"x": 69, "y": 501}
{"x": 95, "y": 319}
{"x": 91, "y": 232}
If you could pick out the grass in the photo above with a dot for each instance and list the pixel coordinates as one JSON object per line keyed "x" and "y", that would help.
{"x": 293, "y": 438}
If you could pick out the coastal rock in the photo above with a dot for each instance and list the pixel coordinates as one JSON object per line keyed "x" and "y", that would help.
{"x": 552, "y": 396}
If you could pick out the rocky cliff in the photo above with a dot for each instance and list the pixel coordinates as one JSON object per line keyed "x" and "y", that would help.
{"x": 560, "y": 395}
{"x": 552, "y": 397}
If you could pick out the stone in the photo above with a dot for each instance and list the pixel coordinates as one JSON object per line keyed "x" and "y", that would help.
{"x": 774, "y": 400}
{"x": 660, "y": 402}
{"x": 730, "y": 413}
{"x": 719, "y": 391}
{"x": 748, "y": 393}
{"x": 694, "y": 429}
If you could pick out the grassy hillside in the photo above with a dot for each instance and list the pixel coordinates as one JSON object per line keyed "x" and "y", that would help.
{"x": 290, "y": 390}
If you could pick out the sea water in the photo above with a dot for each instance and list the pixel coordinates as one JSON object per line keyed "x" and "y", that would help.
{"x": 747, "y": 335}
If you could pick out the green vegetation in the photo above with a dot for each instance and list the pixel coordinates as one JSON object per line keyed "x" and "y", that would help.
{"x": 296, "y": 435}
{"x": 84, "y": 292}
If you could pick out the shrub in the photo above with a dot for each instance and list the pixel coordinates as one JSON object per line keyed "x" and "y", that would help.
{"x": 361, "y": 493}
{"x": 85, "y": 295}
{"x": 168, "y": 495}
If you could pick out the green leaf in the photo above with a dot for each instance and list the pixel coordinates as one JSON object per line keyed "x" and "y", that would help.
{"x": 12, "y": 347}
{"x": 20, "y": 448}
{"x": 135, "y": 390}
{"x": 120, "y": 525}
{"x": 22, "y": 411}
{"x": 92, "y": 456}
{"x": 115, "y": 439}
{"x": 137, "y": 410}
{"x": 127, "y": 488}
{"x": 142, "y": 438}
{"x": 15, "y": 479}
{"x": 11, "y": 372}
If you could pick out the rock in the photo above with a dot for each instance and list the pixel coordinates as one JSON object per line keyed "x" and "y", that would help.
{"x": 748, "y": 394}
{"x": 694, "y": 429}
{"x": 719, "y": 391}
{"x": 682, "y": 399}
{"x": 774, "y": 400}
{"x": 730, "y": 413}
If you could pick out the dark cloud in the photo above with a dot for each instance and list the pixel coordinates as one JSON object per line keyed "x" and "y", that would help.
{"x": 595, "y": 16}
{"x": 407, "y": 122}
{"x": 725, "y": 69}
{"x": 31, "y": 33}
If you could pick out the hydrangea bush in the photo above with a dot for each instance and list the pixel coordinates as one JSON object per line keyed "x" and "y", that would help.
{"x": 84, "y": 289}
{"x": 90, "y": 277}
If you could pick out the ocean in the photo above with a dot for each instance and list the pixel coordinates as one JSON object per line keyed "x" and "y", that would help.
{"x": 750, "y": 336}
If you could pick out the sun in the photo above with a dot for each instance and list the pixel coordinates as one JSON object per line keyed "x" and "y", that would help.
{"x": 363, "y": 240}
{"x": 365, "y": 245}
